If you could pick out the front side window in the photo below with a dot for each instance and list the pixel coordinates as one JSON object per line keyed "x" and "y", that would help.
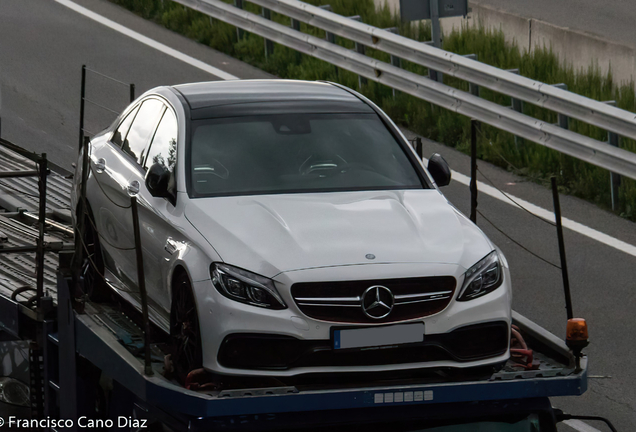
{"x": 120, "y": 134}
{"x": 143, "y": 126}
{"x": 163, "y": 148}
{"x": 292, "y": 153}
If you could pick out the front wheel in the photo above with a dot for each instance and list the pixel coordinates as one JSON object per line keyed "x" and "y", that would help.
{"x": 185, "y": 334}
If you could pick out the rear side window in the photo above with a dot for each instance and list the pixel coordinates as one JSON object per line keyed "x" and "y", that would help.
{"x": 163, "y": 149}
{"x": 122, "y": 130}
{"x": 143, "y": 126}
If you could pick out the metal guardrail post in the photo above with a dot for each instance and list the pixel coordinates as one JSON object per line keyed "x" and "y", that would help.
{"x": 395, "y": 60}
{"x": 516, "y": 105}
{"x": 269, "y": 45}
{"x": 141, "y": 281}
{"x": 563, "y": 120}
{"x": 295, "y": 24}
{"x": 615, "y": 179}
{"x": 83, "y": 94}
{"x": 431, "y": 73}
{"x": 474, "y": 125}
{"x": 240, "y": 33}
{"x": 436, "y": 36}
{"x": 330, "y": 37}
{"x": 419, "y": 148}
{"x": 39, "y": 255}
{"x": 473, "y": 88}
{"x": 360, "y": 49}
{"x": 132, "y": 92}
{"x": 564, "y": 265}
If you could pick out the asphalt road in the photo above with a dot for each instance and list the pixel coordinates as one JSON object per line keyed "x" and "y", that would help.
{"x": 43, "y": 45}
{"x": 611, "y": 20}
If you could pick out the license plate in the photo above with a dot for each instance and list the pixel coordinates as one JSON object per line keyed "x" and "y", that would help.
{"x": 378, "y": 336}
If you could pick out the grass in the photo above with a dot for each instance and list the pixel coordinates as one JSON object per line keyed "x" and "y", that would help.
{"x": 525, "y": 158}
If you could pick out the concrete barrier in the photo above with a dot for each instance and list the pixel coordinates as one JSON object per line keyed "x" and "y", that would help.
{"x": 582, "y": 50}
{"x": 575, "y": 48}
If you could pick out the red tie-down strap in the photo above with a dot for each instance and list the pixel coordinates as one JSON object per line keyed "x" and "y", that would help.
{"x": 519, "y": 351}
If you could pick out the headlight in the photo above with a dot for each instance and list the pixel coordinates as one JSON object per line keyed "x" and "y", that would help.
{"x": 482, "y": 278}
{"x": 14, "y": 392}
{"x": 245, "y": 287}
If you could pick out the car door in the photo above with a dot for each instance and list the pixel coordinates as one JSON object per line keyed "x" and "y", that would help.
{"x": 160, "y": 234}
{"x": 126, "y": 152}
{"x": 108, "y": 197}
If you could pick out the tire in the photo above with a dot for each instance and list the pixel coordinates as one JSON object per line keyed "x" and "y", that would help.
{"x": 95, "y": 286}
{"x": 185, "y": 333}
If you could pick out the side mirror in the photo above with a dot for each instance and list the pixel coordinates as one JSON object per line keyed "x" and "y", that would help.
{"x": 439, "y": 169}
{"x": 157, "y": 180}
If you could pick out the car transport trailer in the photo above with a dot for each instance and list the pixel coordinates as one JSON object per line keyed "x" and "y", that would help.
{"x": 90, "y": 366}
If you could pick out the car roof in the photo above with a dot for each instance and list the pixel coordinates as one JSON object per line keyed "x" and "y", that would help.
{"x": 248, "y": 97}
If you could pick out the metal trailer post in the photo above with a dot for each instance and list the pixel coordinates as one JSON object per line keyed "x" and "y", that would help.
{"x": 141, "y": 281}
{"x": 474, "y": 124}
{"x": 564, "y": 265}
{"x": 80, "y": 228}
{"x": 83, "y": 94}
{"x": 67, "y": 348}
{"x": 42, "y": 173}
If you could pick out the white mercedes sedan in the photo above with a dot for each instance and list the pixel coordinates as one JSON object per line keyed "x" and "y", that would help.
{"x": 288, "y": 227}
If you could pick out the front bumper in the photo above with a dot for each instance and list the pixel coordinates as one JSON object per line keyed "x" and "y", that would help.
{"x": 240, "y": 339}
{"x": 281, "y": 353}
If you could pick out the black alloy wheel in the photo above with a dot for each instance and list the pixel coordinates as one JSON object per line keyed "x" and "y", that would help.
{"x": 185, "y": 334}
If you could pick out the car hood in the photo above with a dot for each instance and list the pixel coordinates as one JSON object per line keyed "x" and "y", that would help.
{"x": 270, "y": 234}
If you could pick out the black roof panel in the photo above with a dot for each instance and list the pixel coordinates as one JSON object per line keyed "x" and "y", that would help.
{"x": 218, "y": 93}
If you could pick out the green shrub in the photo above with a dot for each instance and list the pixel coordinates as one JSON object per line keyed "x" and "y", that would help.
{"x": 526, "y": 158}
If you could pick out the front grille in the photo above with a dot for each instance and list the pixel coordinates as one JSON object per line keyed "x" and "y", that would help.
{"x": 278, "y": 352}
{"x": 342, "y": 301}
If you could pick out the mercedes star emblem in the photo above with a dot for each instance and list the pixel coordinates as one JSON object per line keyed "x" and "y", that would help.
{"x": 377, "y": 302}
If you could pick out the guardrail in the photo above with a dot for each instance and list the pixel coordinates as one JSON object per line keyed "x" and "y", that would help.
{"x": 563, "y": 102}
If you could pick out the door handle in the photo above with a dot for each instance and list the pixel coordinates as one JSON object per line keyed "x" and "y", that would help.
{"x": 100, "y": 165}
{"x": 171, "y": 246}
{"x": 133, "y": 188}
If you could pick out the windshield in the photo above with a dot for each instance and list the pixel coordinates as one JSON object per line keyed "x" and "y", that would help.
{"x": 290, "y": 153}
